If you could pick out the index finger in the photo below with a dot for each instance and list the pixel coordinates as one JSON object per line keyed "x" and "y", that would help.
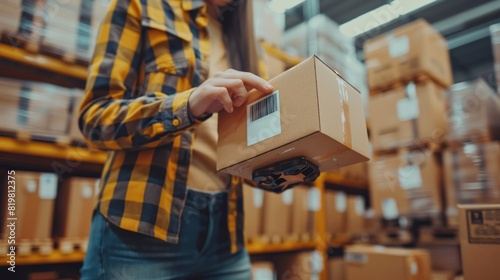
{"x": 251, "y": 81}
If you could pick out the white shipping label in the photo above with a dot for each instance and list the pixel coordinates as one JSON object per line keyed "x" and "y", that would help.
{"x": 263, "y": 118}
{"x": 356, "y": 258}
{"x": 96, "y": 187}
{"x": 86, "y": 191}
{"x": 258, "y": 198}
{"x": 399, "y": 46}
{"x": 287, "y": 197}
{"x": 360, "y": 206}
{"x": 314, "y": 197}
{"x": 263, "y": 273}
{"x": 414, "y": 268}
{"x": 341, "y": 202}
{"x": 316, "y": 262}
{"x": 31, "y": 186}
{"x": 410, "y": 177}
{"x": 390, "y": 209}
{"x": 48, "y": 186}
{"x": 407, "y": 109}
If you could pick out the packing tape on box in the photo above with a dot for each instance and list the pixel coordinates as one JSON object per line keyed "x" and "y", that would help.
{"x": 345, "y": 114}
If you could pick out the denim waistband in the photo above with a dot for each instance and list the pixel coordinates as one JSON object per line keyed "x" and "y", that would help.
{"x": 203, "y": 201}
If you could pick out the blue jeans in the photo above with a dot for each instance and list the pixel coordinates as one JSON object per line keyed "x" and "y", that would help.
{"x": 203, "y": 251}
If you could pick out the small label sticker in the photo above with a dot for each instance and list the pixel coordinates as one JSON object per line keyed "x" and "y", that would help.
{"x": 97, "y": 186}
{"x": 314, "y": 199}
{"x": 390, "y": 209}
{"x": 399, "y": 46}
{"x": 287, "y": 197}
{"x": 360, "y": 206}
{"x": 484, "y": 226}
{"x": 414, "y": 268}
{"x": 31, "y": 186}
{"x": 341, "y": 202}
{"x": 356, "y": 258}
{"x": 86, "y": 191}
{"x": 410, "y": 177}
{"x": 258, "y": 198}
{"x": 407, "y": 109}
{"x": 48, "y": 186}
{"x": 316, "y": 262}
{"x": 263, "y": 118}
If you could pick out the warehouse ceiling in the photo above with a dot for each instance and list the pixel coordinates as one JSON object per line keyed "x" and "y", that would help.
{"x": 464, "y": 23}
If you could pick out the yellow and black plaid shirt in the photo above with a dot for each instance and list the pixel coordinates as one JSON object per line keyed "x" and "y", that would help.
{"x": 150, "y": 54}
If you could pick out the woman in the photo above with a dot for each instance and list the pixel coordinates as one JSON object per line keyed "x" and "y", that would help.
{"x": 163, "y": 211}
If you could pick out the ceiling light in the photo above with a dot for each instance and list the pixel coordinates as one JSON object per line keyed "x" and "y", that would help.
{"x": 280, "y": 6}
{"x": 381, "y": 16}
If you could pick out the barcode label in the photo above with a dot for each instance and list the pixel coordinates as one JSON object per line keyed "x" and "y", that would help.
{"x": 356, "y": 257}
{"x": 483, "y": 226}
{"x": 263, "y": 118}
{"x": 264, "y": 107}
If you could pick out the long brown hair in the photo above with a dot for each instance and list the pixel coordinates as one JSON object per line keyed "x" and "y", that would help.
{"x": 239, "y": 35}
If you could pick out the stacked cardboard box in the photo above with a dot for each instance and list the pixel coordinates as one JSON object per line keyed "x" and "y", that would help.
{"x": 377, "y": 262}
{"x": 495, "y": 41}
{"x": 480, "y": 241}
{"x": 473, "y": 112}
{"x": 408, "y": 71}
{"x": 34, "y": 206}
{"x": 345, "y": 215}
{"x": 65, "y": 29}
{"x": 75, "y": 202}
{"x": 406, "y": 184}
{"x": 471, "y": 176}
{"x": 291, "y": 214}
{"x": 407, "y": 53}
{"x": 36, "y": 107}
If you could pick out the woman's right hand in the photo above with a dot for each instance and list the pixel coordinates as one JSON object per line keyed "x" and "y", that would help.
{"x": 225, "y": 90}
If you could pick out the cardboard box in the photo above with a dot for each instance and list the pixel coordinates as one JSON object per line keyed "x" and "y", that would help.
{"x": 474, "y": 112}
{"x": 406, "y": 52}
{"x": 34, "y": 205}
{"x": 316, "y": 114}
{"x": 277, "y": 217}
{"x": 377, "y": 262}
{"x": 306, "y": 202}
{"x": 10, "y": 16}
{"x": 444, "y": 248}
{"x": 355, "y": 214}
{"x": 442, "y": 275}
{"x": 75, "y": 205}
{"x": 336, "y": 269}
{"x": 406, "y": 184}
{"x": 471, "y": 176}
{"x": 263, "y": 271}
{"x": 407, "y": 116}
{"x": 480, "y": 241}
{"x": 305, "y": 265}
{"x": 253, "y": 201}
{"x": 335, "y": 213}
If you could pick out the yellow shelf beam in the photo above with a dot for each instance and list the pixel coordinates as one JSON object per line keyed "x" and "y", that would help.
{"x": 279, "y": 54}
{"x": 56, "y": 257}
{"x": 51, "y": 150}
{"x": 42, "y": 62}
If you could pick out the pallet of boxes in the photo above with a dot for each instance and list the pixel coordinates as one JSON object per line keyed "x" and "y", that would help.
{"x": 408, "y": 73}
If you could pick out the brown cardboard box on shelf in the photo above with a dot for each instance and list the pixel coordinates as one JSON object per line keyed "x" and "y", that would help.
{"x": 253, "y": 200}
{"x": 306, "y": 202}
{"x": 263, "y": 271}
{"x": 312, "y": 113}
{"x": 474, "y": 112}
{"x": 377, "y": 262}
{"x": 75, "y": 204}
{"x": 305, "y": 265}
{"x": 406, "y": 52}
{"x": 355, "y": 214}
{"x": 276, "y": 221}
{"x": 442, "y": 275}
{"x": 480, "y": 241}
{"x": 34, "y": 201}
{"x": 471, "y": 176}
{"x": 335, "y": 213}
{"x": 407, "y": 116}
{"x": 406, "y": 184}
{"x": 336, "y": 269}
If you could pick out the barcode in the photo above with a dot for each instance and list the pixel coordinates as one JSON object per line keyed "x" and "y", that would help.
{"x": 264, "y": 107}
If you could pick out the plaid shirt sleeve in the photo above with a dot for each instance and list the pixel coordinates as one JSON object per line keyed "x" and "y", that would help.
{"x": 110, "y": 117}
